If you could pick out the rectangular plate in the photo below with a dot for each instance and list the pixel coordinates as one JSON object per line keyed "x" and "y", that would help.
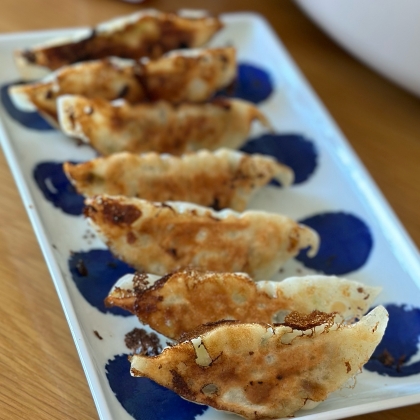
{"x": 338, "y": 184}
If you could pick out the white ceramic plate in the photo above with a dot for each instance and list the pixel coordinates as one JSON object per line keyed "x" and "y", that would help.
{"x": 385, "y": 34}
{"x": 338, "y": 185}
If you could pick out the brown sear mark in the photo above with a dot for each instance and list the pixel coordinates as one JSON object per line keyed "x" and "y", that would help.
{"x": 316, "y": 390}
{"x": 140, "y": 281}
{"x": 116, "y": 213}
{"x": 293, "y": 240}
{"x": 257, "y": 391}
{"x": 72, "y": 120}
{"x": 348, "y": 366}
{"x": 302, "y": 322}
{"x": 216, "y": 204}
{"x": 180, "y": 386}
{"x": 123, "y": 92}
{"x": 29, "y": 56}
{"x": 131, "y": 238}
{"x": 172, "y": 252}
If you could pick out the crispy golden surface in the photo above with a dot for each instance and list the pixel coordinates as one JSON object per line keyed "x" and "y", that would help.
{"x": 108, "y": 79}
{"x": 259, "y": 371}
{"x": 160, "y": 126}
{"x": 181, "y": 301}
{"x": 182, "y": 75}
{"x": 163, "y": 237}
{"x": 188, "y": 75}
{"x": 222, "y": 179}
{"x": 148, "y": 33}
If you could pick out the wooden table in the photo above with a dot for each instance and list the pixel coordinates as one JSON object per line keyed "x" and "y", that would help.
{"x": 40, "y": 373}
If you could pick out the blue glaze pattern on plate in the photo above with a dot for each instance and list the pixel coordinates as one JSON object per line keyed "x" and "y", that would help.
{"x": 28, "y": 119}
{"x": 144, "y": 399}
{"x": 94, "y": 273}
{"x": 400, "y": 343}
{"x": 345, "y": 243}
{"x": 252, "y": 84}
{"x": 57, "y": 189}
{"x": 293, "y": 150}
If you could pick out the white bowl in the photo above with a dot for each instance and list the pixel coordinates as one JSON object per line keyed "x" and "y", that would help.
{"x": 385, "y": 34}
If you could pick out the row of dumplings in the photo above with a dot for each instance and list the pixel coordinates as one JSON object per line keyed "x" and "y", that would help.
{"x": 168, "y": 197}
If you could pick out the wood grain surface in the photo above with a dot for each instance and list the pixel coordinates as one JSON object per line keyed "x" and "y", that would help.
{"x": 41, "y": 376}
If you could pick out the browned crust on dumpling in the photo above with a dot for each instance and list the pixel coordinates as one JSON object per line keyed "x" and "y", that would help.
{"x": 160, "y": 237}
{"x": 303, "y": 322}
{"x": 179, "y": 302}
{"x": 105, "y": 79}
{"x": 194, "y": 76}
{"x": 224, "y": 179}
{"x": 148, "y": 35}
{"x": 179, "y": 76}
{"x": 261, "y": 371}
{"x": 160, "y": 126}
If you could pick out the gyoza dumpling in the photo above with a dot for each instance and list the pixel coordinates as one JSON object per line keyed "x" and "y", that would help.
{"x": 109, "y": 79}
{"x": 181, "y": 75}
{"x": 147, "y": 33}
{"x": 159, "y": 126}
{"x": 221, "y": 179}
{"x": 188, "y": 75}
{"x": 261, "y": 371}
{"x": 159, "y": 238}
{"x": 179, "y": 302}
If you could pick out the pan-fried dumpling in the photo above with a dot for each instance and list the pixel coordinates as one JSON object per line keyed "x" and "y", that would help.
{"x": 179, "y": 302}
{"x": 109, "y": 79}
{"x": 188, "y": 75}
{"x": 261, "y": 371}
{"x": 221, "y": 179}
{"x": 181, "y": 75}
{"x": 159, "y": 126}
{"x": 159, "y": 238}
{"x": 148, "y": 33}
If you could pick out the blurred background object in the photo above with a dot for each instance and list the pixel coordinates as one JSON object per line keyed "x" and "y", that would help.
{"x": 385, "y": 34}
